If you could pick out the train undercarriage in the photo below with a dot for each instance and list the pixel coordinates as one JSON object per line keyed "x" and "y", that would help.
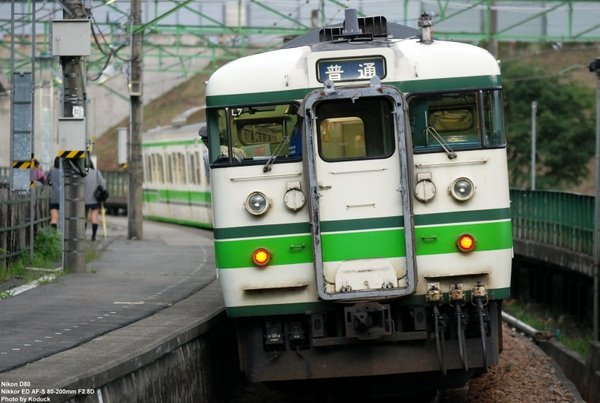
{"x": 373, "y": 338}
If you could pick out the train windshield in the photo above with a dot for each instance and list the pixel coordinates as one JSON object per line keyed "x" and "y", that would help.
{"x": 350, "y": 129}
{"x": 255, "y": 134}
{"x": 457, "y": 121}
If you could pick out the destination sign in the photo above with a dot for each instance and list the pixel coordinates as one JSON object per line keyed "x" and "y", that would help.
{"x": 350, "y": 69}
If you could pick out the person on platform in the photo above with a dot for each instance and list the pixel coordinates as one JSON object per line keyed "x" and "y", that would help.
{"x": 53, "y": 179}
{"x": 92, "y": 206}
{"x": 38, "y": 176}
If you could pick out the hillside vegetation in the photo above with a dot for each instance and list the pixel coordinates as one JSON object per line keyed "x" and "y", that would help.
{"x": 159, "y": 112}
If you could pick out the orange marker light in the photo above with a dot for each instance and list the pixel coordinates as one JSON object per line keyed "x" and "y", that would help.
{"x": 466, "y": 243}
{"x": 261, "y": 257}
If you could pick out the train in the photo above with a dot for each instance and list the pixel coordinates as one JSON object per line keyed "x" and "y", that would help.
{"x": 360, "y": 203}
{"x": 176, "y": 183}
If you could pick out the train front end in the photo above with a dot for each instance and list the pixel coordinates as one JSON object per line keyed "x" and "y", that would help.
{"x": 361, "y": 207}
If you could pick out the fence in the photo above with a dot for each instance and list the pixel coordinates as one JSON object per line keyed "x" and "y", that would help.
{"x": 563, "y": 220}
{"x": 16, "y": 224}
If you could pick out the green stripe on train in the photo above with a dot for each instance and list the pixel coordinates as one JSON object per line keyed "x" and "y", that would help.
{"x": 455, "y": 83}
{"x": 363, "y": 245}
{"x": 177, "y": 196}
{"x": 148, "y": 144}
{"x": 307, "y": 307}
{"x": 362, "y": 224}
{"x": 179, "y": 221}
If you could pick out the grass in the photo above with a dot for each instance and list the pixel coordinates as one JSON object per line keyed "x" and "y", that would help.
{"x": 575, "y": 335}
{"x": 46, "y": 254}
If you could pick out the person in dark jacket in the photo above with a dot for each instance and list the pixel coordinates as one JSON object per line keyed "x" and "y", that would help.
{"x": 53, "y": 179}
{"x": 92, "y": 206}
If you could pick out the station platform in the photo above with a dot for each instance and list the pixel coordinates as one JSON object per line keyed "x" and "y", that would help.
{"x": 133, "y": 296}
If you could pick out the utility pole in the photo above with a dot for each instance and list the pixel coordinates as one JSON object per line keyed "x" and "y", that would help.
{"x": 533, "y": 141}
{"x": 134, "y": 202}
{"x": 71, "y": 42}
{"x": 492, "y": 25}
{"x": 595, "y": 68}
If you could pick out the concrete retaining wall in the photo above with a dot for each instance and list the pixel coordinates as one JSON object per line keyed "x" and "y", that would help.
{"x": 202, "y": 370}
{"x": 585, "y": 375}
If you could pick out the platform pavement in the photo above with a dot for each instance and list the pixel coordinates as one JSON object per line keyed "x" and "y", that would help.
{"x": 129, "y": 280}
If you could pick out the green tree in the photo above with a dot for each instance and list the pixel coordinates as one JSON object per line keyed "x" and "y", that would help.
{"x": 565, "y": 126}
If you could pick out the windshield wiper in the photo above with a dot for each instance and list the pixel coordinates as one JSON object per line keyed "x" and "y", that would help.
{"x": 276, "y": 151}
{"x": 431, "y": 130}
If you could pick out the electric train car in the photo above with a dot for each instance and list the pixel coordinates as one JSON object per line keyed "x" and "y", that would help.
{"x": 361, "y": 204}
{"x": 176, "y": 182}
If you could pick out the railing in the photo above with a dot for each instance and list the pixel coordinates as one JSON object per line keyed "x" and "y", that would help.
{"x": 563, "y": 220}
{"x": 16, "y": 221}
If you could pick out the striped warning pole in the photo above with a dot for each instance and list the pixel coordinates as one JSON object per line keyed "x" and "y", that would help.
{"x": 26, "y": 164}
{"x": 71, "y": 154}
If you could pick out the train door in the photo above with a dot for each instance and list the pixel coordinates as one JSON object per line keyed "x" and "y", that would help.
{"x": 357, "y": 164}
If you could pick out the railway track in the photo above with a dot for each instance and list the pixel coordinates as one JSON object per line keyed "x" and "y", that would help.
{"x": 524, "y": 374}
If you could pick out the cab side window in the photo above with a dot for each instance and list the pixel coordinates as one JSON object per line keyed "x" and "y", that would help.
{"x": 465, "y": 120}
{"x": 251, "y": 134}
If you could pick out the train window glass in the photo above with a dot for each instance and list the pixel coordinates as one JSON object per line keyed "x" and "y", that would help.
{"x": 198, "y": 168}
{"x": 180, "y": 173}
{"x": 145, "y": 173}
{"x": 493, "y": 117}
{"x": 157, "y": 173}
{"x": 154, "y": 168}
{"x": 254, "y": 134}
{"x": 148, "y": 168}
{"x": 169, "y": 167}
{"x": 464, "y": 120}
{"x": 355, "y": 129}
{"x": 191, "y": 166}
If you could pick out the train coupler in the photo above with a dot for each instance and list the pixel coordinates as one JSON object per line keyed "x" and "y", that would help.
{"x": 479, "y": 298}
{"x": 458, "y": 300}
{"x": 368, "y": 320}
{"x": 435, "y": 298}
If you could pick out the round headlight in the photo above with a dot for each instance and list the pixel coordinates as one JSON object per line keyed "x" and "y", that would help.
{"x": 257, "y": 203}
{"x": 462, "y": 189}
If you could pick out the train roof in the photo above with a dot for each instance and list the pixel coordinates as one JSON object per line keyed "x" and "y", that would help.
{"x": 409, "y": 60}
{"x": 164, "y": 133}
{"x": 373, "y": 27}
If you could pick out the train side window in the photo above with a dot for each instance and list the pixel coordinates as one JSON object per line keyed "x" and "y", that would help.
{"x": 180, "y": 174}
{"x": 462, "y": 120}
{"x": 493, "y": 119}
{"x": 147, "y": 169}
{"x": 355, "y": 129}
{"x": 154, "y": 166}
{"x": 253, "y": 134}
{"x": 169, "y": 169}
{"x": 158, "y": 174}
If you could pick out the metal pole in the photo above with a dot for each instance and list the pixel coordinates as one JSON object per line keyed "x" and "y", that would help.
{"x": 32, "y": 190}
{"x": 73, "y": 180}
{"x": 533, "y": 141}
{"x": 135, "y": 200}
{"x": 595, "y": 67}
